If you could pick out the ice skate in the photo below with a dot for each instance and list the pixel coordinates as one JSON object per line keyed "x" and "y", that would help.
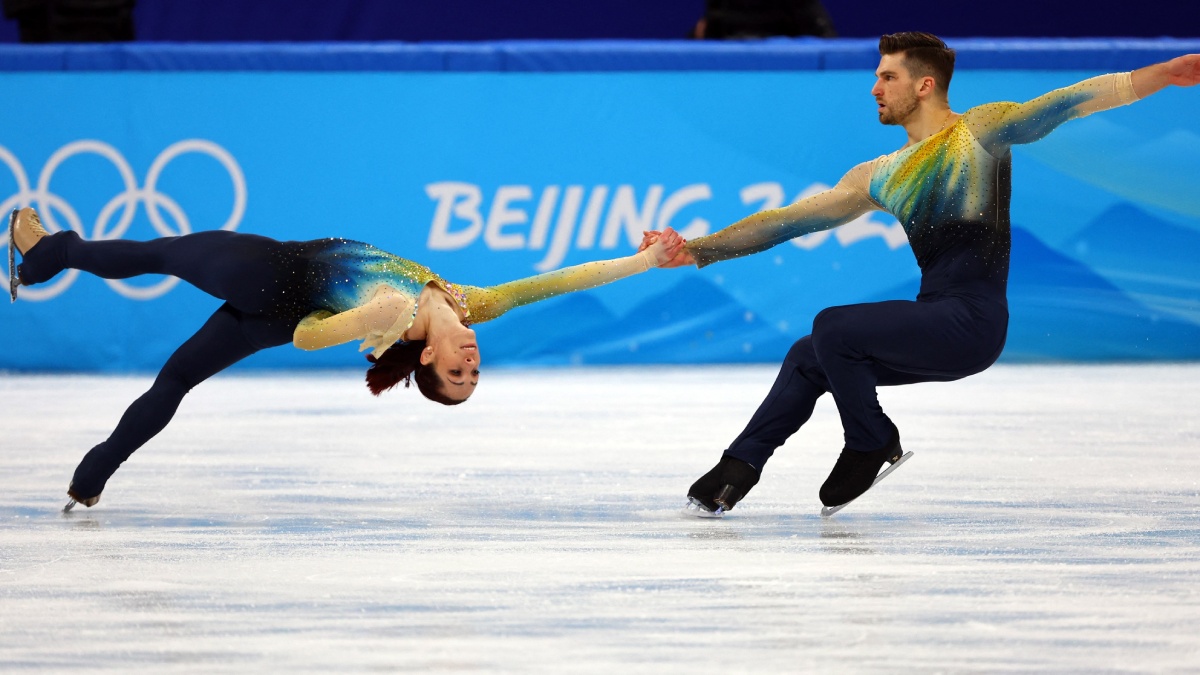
{"x": 724, "y": 485}
{"x": 856, "y": 472}
{"x": 697, "y": 509}
{"x": 76, "y": 499}
{"x": 12, "y": 257}
{"x": 24, "y": 232}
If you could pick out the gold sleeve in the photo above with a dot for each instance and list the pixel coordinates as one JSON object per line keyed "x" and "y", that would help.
{"x": 844, "y": 202}
{"x": 487, "y": 303}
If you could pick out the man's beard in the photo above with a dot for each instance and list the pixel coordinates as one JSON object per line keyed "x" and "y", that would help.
{"x": 899, "y": 111}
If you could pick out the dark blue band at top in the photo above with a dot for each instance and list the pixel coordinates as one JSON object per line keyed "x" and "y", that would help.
{"x": 783, "y": 54}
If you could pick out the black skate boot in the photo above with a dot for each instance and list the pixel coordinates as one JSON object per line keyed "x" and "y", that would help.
{"x": 90, "y": 477}
{"x": 717, "y": 491}
{"x": 856, "y": 471}
{"x": 75, "y": 498}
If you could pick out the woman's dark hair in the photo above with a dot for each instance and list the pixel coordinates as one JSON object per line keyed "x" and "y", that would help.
{"x": 402, "y": 362}
{"x": 429, "y": 383}
{"x": 925, "y": 55}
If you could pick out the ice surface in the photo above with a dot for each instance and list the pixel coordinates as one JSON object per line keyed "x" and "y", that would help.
{"x": 1049, "y": 521}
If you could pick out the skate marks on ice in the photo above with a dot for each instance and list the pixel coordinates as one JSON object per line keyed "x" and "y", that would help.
{"x": 546, "y": 538}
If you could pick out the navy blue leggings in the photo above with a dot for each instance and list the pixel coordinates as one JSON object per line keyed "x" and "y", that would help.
{"x": 855, "y": 348}
{"x": 246, "y": 271}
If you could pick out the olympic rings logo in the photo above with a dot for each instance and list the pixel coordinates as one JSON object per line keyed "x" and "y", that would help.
{"x": 50, "y": 205}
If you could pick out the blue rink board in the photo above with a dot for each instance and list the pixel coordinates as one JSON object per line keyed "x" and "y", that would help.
{"x": 583, "y": 56}
{"x": 452, "y": 165}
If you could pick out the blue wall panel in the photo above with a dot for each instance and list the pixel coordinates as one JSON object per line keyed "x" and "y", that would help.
{"x": 428, "y": 164}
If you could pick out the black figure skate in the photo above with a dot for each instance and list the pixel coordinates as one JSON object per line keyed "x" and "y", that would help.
{"x": 717, "y": 491}
{"x": 856, "y": 472}
{"x": 75, "y": 499}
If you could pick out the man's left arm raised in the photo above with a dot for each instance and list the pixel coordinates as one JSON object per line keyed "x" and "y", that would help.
{"x": 999, "y": 125}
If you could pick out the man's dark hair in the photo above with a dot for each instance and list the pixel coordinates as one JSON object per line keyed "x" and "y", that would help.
{"x": 925, "y": 55}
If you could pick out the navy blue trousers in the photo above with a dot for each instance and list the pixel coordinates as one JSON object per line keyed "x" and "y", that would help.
{"x": 247, "y": 271}
{"x": 855, "y": 348}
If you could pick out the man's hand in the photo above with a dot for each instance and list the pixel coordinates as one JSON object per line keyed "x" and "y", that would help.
{"x": 680, "y": 258}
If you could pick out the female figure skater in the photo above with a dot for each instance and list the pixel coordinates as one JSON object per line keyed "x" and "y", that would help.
{"x": 314, "y": 294}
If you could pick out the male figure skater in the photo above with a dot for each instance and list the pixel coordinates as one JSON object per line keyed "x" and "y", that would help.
{"x": 949, "y": 185}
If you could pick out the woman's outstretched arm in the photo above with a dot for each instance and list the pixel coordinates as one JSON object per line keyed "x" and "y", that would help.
{"x": 490, "y": 302}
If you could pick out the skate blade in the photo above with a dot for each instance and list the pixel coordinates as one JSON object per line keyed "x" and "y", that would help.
{"x": 13, "y": 282}
{"x": 827, "y": 511}
{"x": 70, "y": 505}
{"x": 697, "y": 509}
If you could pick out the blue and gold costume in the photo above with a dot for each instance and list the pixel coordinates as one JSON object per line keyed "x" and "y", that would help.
{"x": 274, "y": 292}
{"x": 951, "y": 193}
{"x": 342, "y": 275}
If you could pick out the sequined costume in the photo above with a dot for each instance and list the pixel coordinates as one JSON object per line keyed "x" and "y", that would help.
{"x": 269, "y": 288}
{"x": 344, "y": 275}
{"x": 951, "y": 193}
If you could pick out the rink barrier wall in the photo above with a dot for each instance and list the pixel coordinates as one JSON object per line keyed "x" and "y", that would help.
{"x": 494, "y": 161}
{"x": 785, "y": 54}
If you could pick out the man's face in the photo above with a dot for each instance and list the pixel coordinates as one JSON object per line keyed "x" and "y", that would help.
{"x": 895, "y": 91}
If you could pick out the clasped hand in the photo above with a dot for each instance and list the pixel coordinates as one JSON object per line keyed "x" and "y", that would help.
{"x": 667, "y": 247}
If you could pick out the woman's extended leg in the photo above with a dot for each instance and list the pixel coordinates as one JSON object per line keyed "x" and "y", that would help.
{"x": 242, "y": 269}
{"x": 226, "y": 338}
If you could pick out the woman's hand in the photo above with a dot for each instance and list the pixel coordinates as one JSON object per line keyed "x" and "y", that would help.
{"x": 1184, "y": 71}
{"x": 390, "y": 313}
{"x": 667, "y": 248}
{"x": 1181, "y": 71}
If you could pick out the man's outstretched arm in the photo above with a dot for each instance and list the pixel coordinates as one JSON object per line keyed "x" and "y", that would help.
{"x": 840, "y": 204}
{"x": 999, "y": 125}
